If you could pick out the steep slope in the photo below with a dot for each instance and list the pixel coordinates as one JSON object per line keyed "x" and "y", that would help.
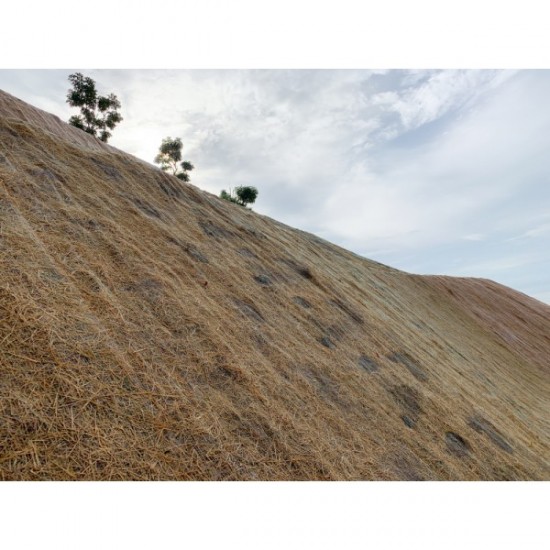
{"x": 149, "y": 330}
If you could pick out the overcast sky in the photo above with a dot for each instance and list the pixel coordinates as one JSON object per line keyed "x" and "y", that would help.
{"x": 432, "y": 172}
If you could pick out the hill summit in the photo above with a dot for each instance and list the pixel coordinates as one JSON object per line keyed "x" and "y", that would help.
{"x": 149, "y": 330}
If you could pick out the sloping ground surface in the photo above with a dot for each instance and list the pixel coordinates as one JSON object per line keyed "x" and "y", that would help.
{"x": 149, "y": 330}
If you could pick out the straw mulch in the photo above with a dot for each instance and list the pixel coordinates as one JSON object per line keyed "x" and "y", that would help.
{"x": 150, "y": 331}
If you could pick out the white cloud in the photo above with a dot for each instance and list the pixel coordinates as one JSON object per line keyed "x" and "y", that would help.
{"x": 441, "y": 92}
{"x": 538, "y": 231}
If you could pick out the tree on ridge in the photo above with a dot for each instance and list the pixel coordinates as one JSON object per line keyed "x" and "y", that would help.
{"x": 169, "y": 158}
{"x": 98, "y": 114}
{"x": 242, "y": 195}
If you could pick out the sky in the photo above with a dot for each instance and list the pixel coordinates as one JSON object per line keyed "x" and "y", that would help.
{"x": 429, "y": 171}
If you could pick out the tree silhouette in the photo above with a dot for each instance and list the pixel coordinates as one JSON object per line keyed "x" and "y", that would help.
{"x": 243, "y": 195}
{"x": 98, "y": 114}
{"x": 169, "y": 158}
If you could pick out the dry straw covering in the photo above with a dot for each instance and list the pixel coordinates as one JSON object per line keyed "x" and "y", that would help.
{"x": 151, "y": 331}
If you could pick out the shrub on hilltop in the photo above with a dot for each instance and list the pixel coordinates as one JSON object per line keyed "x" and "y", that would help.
{"x": 242, "y": 195}
{"x": 169, "y": 158}
{"x": 98, "y": 114}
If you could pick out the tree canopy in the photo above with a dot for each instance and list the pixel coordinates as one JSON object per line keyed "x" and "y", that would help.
{"x": 169, "y": 158}
{"x": 98, "y": 114}
{"x": 242, "y": 195}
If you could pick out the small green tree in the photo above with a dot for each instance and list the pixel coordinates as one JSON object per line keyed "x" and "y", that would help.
{"x": 243, "y": 195}
{"x": 98, "y": 114}
{"x": 169, "y": 158}
{"x": 246, "y": 195}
